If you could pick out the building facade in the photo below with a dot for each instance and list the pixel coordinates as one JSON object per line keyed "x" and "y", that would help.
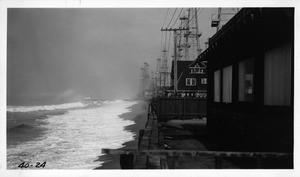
{"x": 250, "y": 80}
{"x": 192, "y": 78}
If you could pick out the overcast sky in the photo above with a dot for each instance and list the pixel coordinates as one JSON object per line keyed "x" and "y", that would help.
{"x": 84, "y": 52}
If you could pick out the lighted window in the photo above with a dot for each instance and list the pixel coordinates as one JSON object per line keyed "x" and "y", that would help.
{"x": 203, "y": 80}
{"x": 227, "y": 84}
{"x": 246, "y": 80}
{"x": 190, "y": 81}
{"x": 217, "y": 77}
{"x": 277, "y": 76}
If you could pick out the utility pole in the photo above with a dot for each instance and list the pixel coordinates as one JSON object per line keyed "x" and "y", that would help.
{"x": 158, "y": 73}
{"x": 175, "y": 52}
{"x": 164, "y": 67}
{"x": 194, "y": 34}
{"x": 142, "y": 82}
{"x": 191, "y": 44}
{"x": 185, "y": 23}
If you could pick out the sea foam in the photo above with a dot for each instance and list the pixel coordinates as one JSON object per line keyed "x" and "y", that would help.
{"x": 74, "y": 140}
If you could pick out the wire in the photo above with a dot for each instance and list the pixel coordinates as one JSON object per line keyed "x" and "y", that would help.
{"x": 196, "y": 13}
{"x": 200, "y": 11}
{"x": 193, "y": 16}
{"x": 172, "y": 18}
{"x": 165, "y": 17}
{"x": 161, "y": 36}
{"x": 177, "y": 17}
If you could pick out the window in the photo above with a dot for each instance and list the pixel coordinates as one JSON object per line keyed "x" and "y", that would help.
{"x": 190, "y": 81}
{"x": 217, "y": 85}
{"x": 227, "y": 84}
{"x": 246, "y": 80}
{"x": 277, "y": 76}
{"x": 203, "y": 80}
{"x": 197, "y": 69}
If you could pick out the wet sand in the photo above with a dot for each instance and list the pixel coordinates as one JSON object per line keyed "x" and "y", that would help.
{"x": 138, "y": 114}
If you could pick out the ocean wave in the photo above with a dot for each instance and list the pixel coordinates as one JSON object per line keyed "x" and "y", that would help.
{"x": 74, "y": 140}
{"x": 113, "y": 101}
{"x": 44, "y": 107}
{"x": 22, "y": 127}
{"x": 117, "y": 101}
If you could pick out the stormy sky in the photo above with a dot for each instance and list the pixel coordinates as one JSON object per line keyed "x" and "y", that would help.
{"x": 83, "y": 52}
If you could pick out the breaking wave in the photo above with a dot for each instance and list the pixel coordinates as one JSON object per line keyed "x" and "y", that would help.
{"x": 44, "y": 107}
{"x": 74, "y": 140}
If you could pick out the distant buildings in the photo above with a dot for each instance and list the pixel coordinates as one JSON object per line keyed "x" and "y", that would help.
{"x": 145, "y": 82}
{"x": 192, "y": 79}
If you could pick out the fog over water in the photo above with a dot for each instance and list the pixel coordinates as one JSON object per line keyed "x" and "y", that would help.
{"x": 69, "y": 53}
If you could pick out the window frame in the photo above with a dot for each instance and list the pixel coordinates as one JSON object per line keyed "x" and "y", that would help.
{"x": 189, "y": 81}
{"x": 197, "y": 69}
{"x": 243, "y": 63}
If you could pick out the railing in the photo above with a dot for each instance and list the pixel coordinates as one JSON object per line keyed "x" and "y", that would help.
{"x": 179, "y": 108}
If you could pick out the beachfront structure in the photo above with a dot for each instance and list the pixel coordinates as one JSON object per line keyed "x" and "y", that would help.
{"x": 192, "y": 78}
{"x": 250, "y": 80}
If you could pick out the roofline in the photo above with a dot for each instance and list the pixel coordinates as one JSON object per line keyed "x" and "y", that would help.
{"x": 232, "y": 22}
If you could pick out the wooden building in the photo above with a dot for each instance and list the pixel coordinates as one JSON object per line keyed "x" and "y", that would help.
{"x": 250, "y": 80}
{"x": 192, "y": 78}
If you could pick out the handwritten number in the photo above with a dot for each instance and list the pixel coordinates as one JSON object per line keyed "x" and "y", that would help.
{"x": 43, "y": 164}
{"x": 23, "y": 165}
{"x": 26, "y": 165}
{"x": 38, "y": 164}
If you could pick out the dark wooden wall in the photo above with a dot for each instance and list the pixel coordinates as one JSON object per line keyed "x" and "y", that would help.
{"x": 180, "y": 108}
{"x": 251, "y": 125}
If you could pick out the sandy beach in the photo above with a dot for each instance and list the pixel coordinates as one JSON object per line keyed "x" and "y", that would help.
{"x": 138, "y": 114}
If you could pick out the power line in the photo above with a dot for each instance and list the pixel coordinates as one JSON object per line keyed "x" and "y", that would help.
{"x": 172, "y": 18}
{"x": 195, "y": 14}
{"x": 165, "y": 17}
{"x": 177, "y": 17}
{"x": 200, "y": 11}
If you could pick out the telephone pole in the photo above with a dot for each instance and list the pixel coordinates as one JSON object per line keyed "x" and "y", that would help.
{"x": 175, "y": 52}
{"x": 164, "y": 67}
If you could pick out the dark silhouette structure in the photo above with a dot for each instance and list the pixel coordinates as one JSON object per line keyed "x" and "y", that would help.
{"x": 250, "y": 80}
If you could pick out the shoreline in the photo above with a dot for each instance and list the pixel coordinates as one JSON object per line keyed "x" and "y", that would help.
{"x": 138, "y": 114}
